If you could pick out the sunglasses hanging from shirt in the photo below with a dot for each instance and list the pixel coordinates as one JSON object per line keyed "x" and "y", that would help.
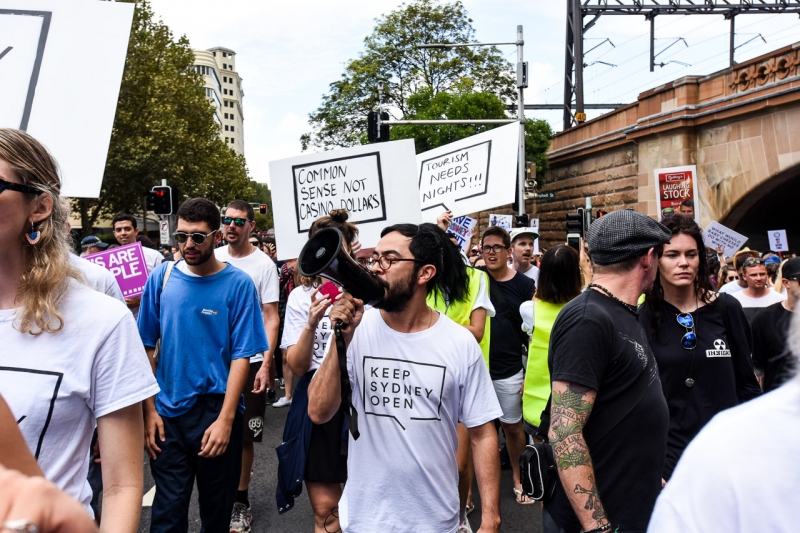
{"x": 689, "y": 339}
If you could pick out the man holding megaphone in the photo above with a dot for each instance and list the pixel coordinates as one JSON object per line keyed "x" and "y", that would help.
{"x": 414, "y": 374}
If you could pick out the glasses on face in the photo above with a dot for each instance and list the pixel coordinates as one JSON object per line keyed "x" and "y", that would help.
{"x": 732, "y": 278}
{"x": 254, "y": 243}
{"x": 497, "y": 248}
{"x": 387, "y": 262}
{"x": 27, "y": 189}
{"x": 689, "y": 339}
{"x": 239, "y": 222}
{"x": 198, "y": 238}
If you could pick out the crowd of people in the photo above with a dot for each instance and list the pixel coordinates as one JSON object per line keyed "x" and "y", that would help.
{"x": 641, "y": 359}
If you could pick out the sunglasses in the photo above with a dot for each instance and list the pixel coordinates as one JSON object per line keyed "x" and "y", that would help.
{"x": 27, "y": 189}
{"x": 689, "y": 339}
{"x": 198, "y": 238}
{"x": 239, "y": 222}
{"x": 753, "y": 261}
{"x": 255, "y": 243}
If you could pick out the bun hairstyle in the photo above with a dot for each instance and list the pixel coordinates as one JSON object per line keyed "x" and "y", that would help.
{"x": 336, "y": 219}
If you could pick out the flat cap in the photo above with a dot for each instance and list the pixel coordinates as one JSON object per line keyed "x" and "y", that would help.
{"x": 623, "y": 235}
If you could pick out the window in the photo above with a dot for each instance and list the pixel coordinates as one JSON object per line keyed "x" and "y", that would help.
{"x": 225, "y": 66}
{"x": 211, "y": 93}
{"x": 226, "y": 103}
{"x": 233, "y": 140}
{"x": 216, "y": 119}
{"x": 213, "y": 74}
{"x": 231, "y": 128}
{"x": 226, "y": 128}
{"x": 231, "y": 116}
{"x": 226, "y": 115}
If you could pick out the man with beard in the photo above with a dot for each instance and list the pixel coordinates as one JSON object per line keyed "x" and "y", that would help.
{"x": 414, "y": 375}
{"x": 238, "y": 223}
{"x": 125, "y": 231}
{"x": 207, "y": 316}
{"x": 522, "y": 244}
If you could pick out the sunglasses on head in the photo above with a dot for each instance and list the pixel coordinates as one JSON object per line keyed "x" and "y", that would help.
{"x": 689, "y": 339}
{"x": 198, "y": 238}
{"x": 239, "y": 222}
{"x": 27, "y": 189}
{"x": 753, "y": 261}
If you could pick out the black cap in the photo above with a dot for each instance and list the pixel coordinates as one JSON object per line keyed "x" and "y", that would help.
{"x": 623, "y": 235}
{"x": 791, "y": 269}
{"x": 93, "y": 240}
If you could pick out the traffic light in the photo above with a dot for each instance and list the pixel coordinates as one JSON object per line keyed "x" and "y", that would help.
{"x": 522, "y": 220}
{"x": 375, "y": 134}
{"x": 262, "y": 208}
{"x": 162, "y": 200}
{"x": 601, "y": 213}
{"x": 576, "y": 223}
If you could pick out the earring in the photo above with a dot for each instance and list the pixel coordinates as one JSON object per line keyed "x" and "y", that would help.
{"x": 33, "y": 236}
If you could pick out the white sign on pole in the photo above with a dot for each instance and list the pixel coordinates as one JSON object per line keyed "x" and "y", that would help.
{"x": 504, "y": 221}
{"x": 470, "y": 175}
{"x": 534, "y": 225}
{"x": 163, "y": 227}
{"x": 61, "y": 64}
{"x": 375, "y": 183}
{"x": 777, "y": 240}
{"x": 718, "y": 235}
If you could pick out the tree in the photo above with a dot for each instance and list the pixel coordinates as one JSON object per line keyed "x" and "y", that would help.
{"x": 538, "y": 135}
{"x": 262, "y": 195}
{"x": 164, "y": 129}
{"x": 391, "y": 56}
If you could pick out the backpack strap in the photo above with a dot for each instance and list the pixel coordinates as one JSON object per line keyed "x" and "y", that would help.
{"x": 167, "y": 274}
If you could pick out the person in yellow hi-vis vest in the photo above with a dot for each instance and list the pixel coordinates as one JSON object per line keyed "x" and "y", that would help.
{"x": 472, "y": 312}
{"x": 559, "y": 282}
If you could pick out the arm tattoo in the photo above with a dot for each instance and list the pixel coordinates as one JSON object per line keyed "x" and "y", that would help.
{"x": 569, "y": 412}
{"x": 593, "y": 502}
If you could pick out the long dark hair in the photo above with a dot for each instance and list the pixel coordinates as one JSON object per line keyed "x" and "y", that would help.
{"x": 680, "y": 225}
{"x": 431, "y": 246}
{"x": 559, "y": 275}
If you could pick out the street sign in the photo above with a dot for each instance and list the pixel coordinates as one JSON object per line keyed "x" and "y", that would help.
{"x": 545, "y": 196}
{"x": 164, "y": 229}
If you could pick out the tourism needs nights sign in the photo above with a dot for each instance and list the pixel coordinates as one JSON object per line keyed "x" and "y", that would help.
{"x": 374, "y": 183}
{"x": 474, "y": 174}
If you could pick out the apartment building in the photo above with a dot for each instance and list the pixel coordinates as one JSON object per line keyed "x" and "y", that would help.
{"x": 223, "y": 87}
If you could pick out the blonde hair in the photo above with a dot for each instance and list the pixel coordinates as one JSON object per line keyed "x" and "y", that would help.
{"x": 47, "y": 269}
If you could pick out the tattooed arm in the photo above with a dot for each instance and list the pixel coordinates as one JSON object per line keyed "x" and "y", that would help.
{"x": 571, "y": 406}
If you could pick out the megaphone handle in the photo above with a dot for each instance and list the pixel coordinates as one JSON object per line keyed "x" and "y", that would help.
{"x": 350, "y": 414}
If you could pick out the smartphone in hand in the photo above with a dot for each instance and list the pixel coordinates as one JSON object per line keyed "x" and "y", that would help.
{"x": 329, "y": 289}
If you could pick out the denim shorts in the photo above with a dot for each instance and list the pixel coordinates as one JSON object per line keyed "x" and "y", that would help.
{"x": 510, "y": 399}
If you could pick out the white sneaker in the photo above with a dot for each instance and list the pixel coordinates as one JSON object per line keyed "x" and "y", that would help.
{"x": 282, "y": 402}
{"x": 464, "y": 527}
{"x": 241, "y": 518}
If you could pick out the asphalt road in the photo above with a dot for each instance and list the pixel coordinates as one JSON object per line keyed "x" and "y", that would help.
{"x": 515, "y": 517}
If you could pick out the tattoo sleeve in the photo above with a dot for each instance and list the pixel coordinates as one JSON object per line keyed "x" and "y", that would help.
{"x": 572, "y": 403}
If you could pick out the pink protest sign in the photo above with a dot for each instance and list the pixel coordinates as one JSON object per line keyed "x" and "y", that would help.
{"x": 128, "y": 266}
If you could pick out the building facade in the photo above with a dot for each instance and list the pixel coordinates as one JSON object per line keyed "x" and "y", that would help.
{"x": 223, "y": 87}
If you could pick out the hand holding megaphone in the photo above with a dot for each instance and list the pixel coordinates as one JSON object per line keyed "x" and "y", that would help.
{"x": 348, "y": 310}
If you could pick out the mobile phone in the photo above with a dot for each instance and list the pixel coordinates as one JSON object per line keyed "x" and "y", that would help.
{"x": 574, "y": 240}
{"x": 329, "y": 289}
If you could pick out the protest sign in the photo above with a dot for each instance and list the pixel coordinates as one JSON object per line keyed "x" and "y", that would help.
{"x": 128, "y": 266}
{"x": 375, "y": 183}
{"x": 456, "y": 176}
{"x": 44, "y": 90}
{"x": 718, "y": 235}
{"x": 462, "y": 228}
{"x": 504, "y": 221}
{"x": 534, "y": 226}
{"x": 674, "y": 186}
{"x": 777, "y": 240}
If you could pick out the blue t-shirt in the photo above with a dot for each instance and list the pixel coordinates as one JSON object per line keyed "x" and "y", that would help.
{"x": 203, "y": 323}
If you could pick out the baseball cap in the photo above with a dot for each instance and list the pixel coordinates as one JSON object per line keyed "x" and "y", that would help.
{"x": 93, "y": 240}
{"x": 622, "y": 235}
{"x": 771, "y": 260}
{"x": 791, "y": 268}
{"x": 519, "y": 232}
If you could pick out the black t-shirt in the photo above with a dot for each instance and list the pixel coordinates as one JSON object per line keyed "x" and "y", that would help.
{"x": 598, "y": 343}
{"x": 770, "y": 354}
{"x": 720, "y": 366}
{"x": 507, "y": 339}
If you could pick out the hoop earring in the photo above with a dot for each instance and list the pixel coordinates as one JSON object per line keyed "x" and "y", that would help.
{"x": 33, "y": 236}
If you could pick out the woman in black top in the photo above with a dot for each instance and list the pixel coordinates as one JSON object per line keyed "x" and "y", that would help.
{"x": 700, "y": 339}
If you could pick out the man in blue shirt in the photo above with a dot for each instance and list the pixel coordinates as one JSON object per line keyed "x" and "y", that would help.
{"x": 208, "y": 320}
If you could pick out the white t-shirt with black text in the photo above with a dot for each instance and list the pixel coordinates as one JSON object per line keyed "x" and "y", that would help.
{"x": 59, "y": 384}
{"x": 410, "y": 391}
{"x": 298, "y": 307}
{"x": 262, "y": 270}
{"x": 97, "y": 277}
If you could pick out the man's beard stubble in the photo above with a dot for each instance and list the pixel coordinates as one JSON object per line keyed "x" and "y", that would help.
{"x": 397, "y": 296}
{"x": 204, "y": 256}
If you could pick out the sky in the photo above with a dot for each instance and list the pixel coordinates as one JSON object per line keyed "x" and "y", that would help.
{"x": 288, "y": 53}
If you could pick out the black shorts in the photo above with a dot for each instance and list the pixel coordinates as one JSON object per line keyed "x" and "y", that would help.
{"x": 255, "y": 407}
{"x": 326, "y": 461}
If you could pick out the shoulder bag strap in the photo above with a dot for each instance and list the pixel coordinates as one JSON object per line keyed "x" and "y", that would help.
{"x": 167, "y": 274}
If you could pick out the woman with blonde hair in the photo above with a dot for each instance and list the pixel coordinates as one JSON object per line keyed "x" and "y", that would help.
{"x": 71, "y": 357}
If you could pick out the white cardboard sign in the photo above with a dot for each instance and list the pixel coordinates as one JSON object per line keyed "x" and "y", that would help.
{"x": 777, "y": 240}
{"x": 718, "y": 235}
{"x": 61, "y": 64}
{"x": 375, "y": 183}
{"x": 470, "y": 175}
{"x": 504, "y": 221}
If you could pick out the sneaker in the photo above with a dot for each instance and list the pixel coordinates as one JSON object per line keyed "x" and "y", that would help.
{"x": 241, "y": 518}
{"x": 283, "y": 385}
{"x": 463, "y": 526}
{"x": 271, "y": 396}
{"x": 282, "y": 402}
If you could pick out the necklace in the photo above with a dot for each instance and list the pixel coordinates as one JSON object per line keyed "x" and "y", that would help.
{"x": 689, "y": 381}
{"x": 629, "y": 307}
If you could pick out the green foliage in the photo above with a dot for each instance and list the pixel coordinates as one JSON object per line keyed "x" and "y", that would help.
{"x": 407, "y": 72}
{"x": 538, "y": 135}
{"x": 262, "y": 195}
{"x": 164, "y": 129}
